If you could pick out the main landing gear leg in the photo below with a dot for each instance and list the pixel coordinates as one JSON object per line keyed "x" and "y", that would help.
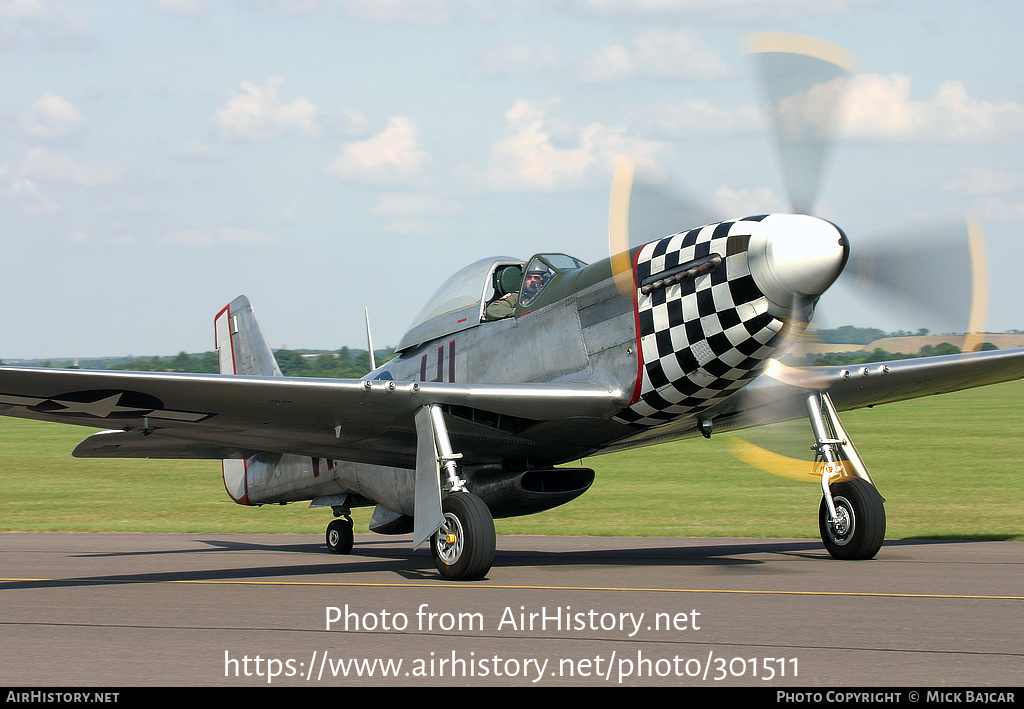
{"x": 851, "y": 517}
{"x": 463, "y": 545}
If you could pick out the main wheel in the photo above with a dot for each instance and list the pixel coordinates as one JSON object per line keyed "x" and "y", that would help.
{"x": 463, "y": 547}
{"x": 339, "y": 535}
{"x": 860, "y": 525}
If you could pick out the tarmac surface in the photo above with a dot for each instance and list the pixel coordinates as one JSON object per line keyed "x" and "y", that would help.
{"x": 136, "y": 610}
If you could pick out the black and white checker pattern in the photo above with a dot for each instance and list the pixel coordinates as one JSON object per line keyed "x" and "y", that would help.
{"x": 700, "y": 339}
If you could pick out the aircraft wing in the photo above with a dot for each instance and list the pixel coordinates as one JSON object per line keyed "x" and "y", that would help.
{"x": 167, "y": 415}
{"x": 858, "y": 386}
{"x": 781, "y": 392}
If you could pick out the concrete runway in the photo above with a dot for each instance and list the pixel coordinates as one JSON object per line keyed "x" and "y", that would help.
{"x": 129, "y": 610}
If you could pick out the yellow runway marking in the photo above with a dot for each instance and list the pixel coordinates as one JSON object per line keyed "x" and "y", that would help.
{"x": 503, "y": 587}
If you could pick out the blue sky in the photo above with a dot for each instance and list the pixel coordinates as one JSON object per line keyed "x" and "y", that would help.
{"x": 159, "y": 158}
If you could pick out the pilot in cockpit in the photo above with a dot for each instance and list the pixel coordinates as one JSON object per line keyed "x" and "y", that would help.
{"x": 533, "y": 283}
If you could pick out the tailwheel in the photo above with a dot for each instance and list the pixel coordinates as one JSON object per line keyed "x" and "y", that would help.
{"x": 859, "y": 528}
{"x": 463, "y": 547}
{"x": 339, "y": 535}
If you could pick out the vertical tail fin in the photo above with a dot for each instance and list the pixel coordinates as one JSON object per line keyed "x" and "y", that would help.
{"x": 241, "y": 349}
{"x": 241, "y": 346}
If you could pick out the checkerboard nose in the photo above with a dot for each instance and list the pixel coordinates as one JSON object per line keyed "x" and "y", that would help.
{"x": 795, "y": 256}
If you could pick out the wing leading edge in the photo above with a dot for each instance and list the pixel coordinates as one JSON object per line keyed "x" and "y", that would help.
{"x": 781, "y": 392}
{"x": 166, "y": 415}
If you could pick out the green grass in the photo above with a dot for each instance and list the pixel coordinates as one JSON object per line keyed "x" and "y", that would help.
{"x": 948, "y": 466}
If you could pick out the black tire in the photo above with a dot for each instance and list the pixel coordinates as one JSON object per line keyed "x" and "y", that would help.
{"x": 339, "y": 536}
{"x": 463, "y": 548}
{"x": 861, "y": 527}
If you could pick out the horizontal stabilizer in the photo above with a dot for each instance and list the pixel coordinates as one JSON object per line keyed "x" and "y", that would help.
{"x": 133, "y": 444}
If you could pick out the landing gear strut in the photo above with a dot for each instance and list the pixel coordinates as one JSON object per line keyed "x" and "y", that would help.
{"x": 851, "y": 517}
{"x": 457, "y": 522}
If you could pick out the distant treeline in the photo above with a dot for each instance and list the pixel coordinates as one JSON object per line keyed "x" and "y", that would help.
{"x": 352, "y": 364}
{"x": 850, "y": 335}
{"x": 339, "y": 364}
{"x": 875, "y": 355}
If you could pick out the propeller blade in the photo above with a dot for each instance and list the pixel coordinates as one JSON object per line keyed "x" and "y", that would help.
{"x": 658, "y": 210}
{"x": 791, "y": 467}
{"x": 641, "y": 209}
{"x": 618, "y": 226}
{"x": 936, "y": 273}
{"x": 802, "y": 81}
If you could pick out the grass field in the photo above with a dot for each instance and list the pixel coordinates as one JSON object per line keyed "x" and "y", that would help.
{"x": 949, "y": 467}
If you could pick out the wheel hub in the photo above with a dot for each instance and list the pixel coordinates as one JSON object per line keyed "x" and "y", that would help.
{"x": 449, "y": 540}
{"x": 843, "y": 526}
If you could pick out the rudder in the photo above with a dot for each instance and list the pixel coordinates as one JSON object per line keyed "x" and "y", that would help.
{"x": 241, "y": 346}
{"x": 241, "y": 349}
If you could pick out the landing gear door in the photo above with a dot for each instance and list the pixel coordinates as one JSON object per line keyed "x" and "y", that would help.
{"x": 427, "y": 515}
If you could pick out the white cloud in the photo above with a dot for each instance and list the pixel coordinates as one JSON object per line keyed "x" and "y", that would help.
{"x": 195, "y": 238}
{"x": 245, "y": 237}
{"x": 420, "y": 12}
{"x": 676, "y": 52}
{"x": 410, "y": 204}
{"x": 185, "y": 8}
{"x": 19, "y": 181}
{"x": 393, "y": 155}
{"x": 696, "y": 118}
{"x": 284, "y": 7}
{"x": 983, "y": 180}
{"x": 352, "y": 123}
{"x": 52, "y": 117}
{"x": 880, "y": 108}
{"x": 199, "y": 151}
{"x": 532, "y": 157}
{"x": 28, "y": 22}
{"x": 999, "y": 210}
{"x": 742, "y": 11}
{"x": 747, "y": 201}
{"x": 256, "y": 112}
{"x": 22, "y": 195}
{"x": 42, "y": 163}
{"x": 515, "y": 59}
{"x": 188, "y": 237}
{"x": 996, "y": 193}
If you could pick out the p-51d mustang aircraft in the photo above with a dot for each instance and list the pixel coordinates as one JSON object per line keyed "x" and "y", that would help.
{"x": 512, "y": 369}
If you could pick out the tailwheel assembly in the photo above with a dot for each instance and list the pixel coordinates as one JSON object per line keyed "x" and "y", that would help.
{"x": 339, "y": 535}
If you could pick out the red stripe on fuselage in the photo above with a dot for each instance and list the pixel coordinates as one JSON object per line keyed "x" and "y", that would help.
{"x": 636, "y": 325}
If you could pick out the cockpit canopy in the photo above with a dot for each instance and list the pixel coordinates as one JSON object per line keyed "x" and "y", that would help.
{"x": 541, "y": 272}
{"x": 459, "y": 303}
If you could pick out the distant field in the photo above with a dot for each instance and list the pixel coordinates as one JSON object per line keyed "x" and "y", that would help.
{"x": 908, "y": 345}
{"x": 948, "y": 466}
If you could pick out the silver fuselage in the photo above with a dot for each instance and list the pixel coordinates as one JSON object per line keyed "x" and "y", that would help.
{"x": 674, "y": 346}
